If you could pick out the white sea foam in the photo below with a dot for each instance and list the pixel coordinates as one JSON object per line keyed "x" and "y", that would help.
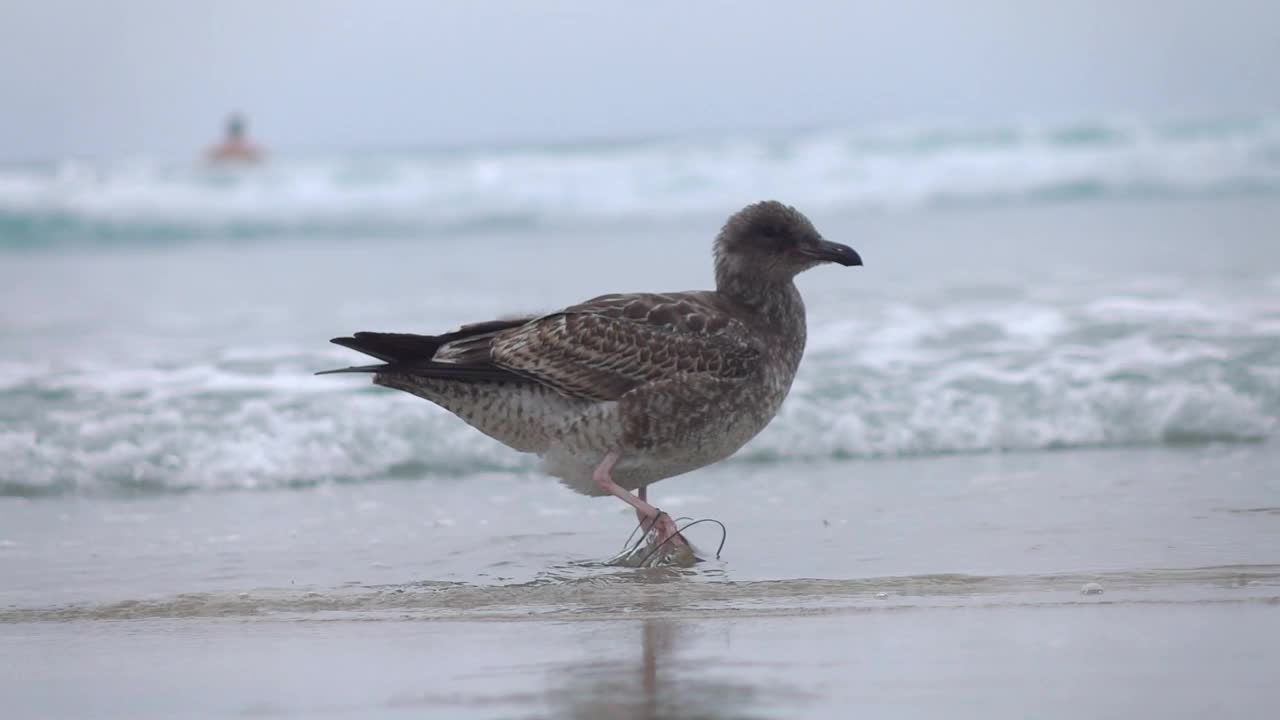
{"x": 902, "y": 379}
{"x": 141, "y": 201}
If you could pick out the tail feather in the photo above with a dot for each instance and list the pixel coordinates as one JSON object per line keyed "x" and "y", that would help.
{"x": 446, "y": 371}
{"x": 406, "y": 353}
{"x": 355, "y": 369}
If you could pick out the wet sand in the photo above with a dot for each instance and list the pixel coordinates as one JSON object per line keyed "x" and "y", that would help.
{"x": 906, "y": 588}
{"x": 1090, "y": 658}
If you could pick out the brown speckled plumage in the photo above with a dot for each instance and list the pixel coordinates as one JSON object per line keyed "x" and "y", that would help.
{"x": 669, "y": 381}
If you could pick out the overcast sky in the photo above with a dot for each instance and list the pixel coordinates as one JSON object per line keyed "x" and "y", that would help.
{"x": 156, "y": 77}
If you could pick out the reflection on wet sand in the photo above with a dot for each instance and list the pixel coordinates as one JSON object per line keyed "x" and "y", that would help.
{"x": 661, "y": 683}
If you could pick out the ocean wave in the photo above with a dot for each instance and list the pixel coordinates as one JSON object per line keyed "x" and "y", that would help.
{"x": 344, "y": 196}
{"x": 902, "y": 380}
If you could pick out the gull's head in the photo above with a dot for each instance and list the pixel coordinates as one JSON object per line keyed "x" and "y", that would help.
{"x": 769, "y": 240}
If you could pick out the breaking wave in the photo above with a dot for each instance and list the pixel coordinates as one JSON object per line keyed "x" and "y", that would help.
{"x": 900, "y": 380}
{"x": 356, "y": 196}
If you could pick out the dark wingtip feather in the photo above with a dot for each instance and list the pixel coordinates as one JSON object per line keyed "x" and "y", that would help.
{"x": 393, "y": 347}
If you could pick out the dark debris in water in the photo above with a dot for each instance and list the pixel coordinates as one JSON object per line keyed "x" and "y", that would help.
{"x": 646, "y": 551}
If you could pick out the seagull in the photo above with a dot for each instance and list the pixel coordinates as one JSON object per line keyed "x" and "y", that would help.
{"x": 624, "y": 390}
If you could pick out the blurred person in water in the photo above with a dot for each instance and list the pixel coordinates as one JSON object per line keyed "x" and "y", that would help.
{"x": 235, "y": 148}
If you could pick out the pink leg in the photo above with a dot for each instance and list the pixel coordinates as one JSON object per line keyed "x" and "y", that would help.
{"x": 643, "y": 494}
{"x": 650, "y": 515}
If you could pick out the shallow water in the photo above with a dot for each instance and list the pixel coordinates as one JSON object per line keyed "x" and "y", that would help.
{"x": 907, "y": 588}
{"x": 1147, "y": 524}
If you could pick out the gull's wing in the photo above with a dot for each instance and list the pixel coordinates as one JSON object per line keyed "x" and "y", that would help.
{"x": 608, "y": 346}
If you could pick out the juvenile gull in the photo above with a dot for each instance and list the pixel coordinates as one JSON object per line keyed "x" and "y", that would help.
{"x": 621, "y": 391}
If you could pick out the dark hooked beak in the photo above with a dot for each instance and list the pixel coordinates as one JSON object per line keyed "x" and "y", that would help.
{"x": 832, "y": 252}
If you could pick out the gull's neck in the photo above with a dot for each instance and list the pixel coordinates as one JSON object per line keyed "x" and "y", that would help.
{"x": 773, "y": 299}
